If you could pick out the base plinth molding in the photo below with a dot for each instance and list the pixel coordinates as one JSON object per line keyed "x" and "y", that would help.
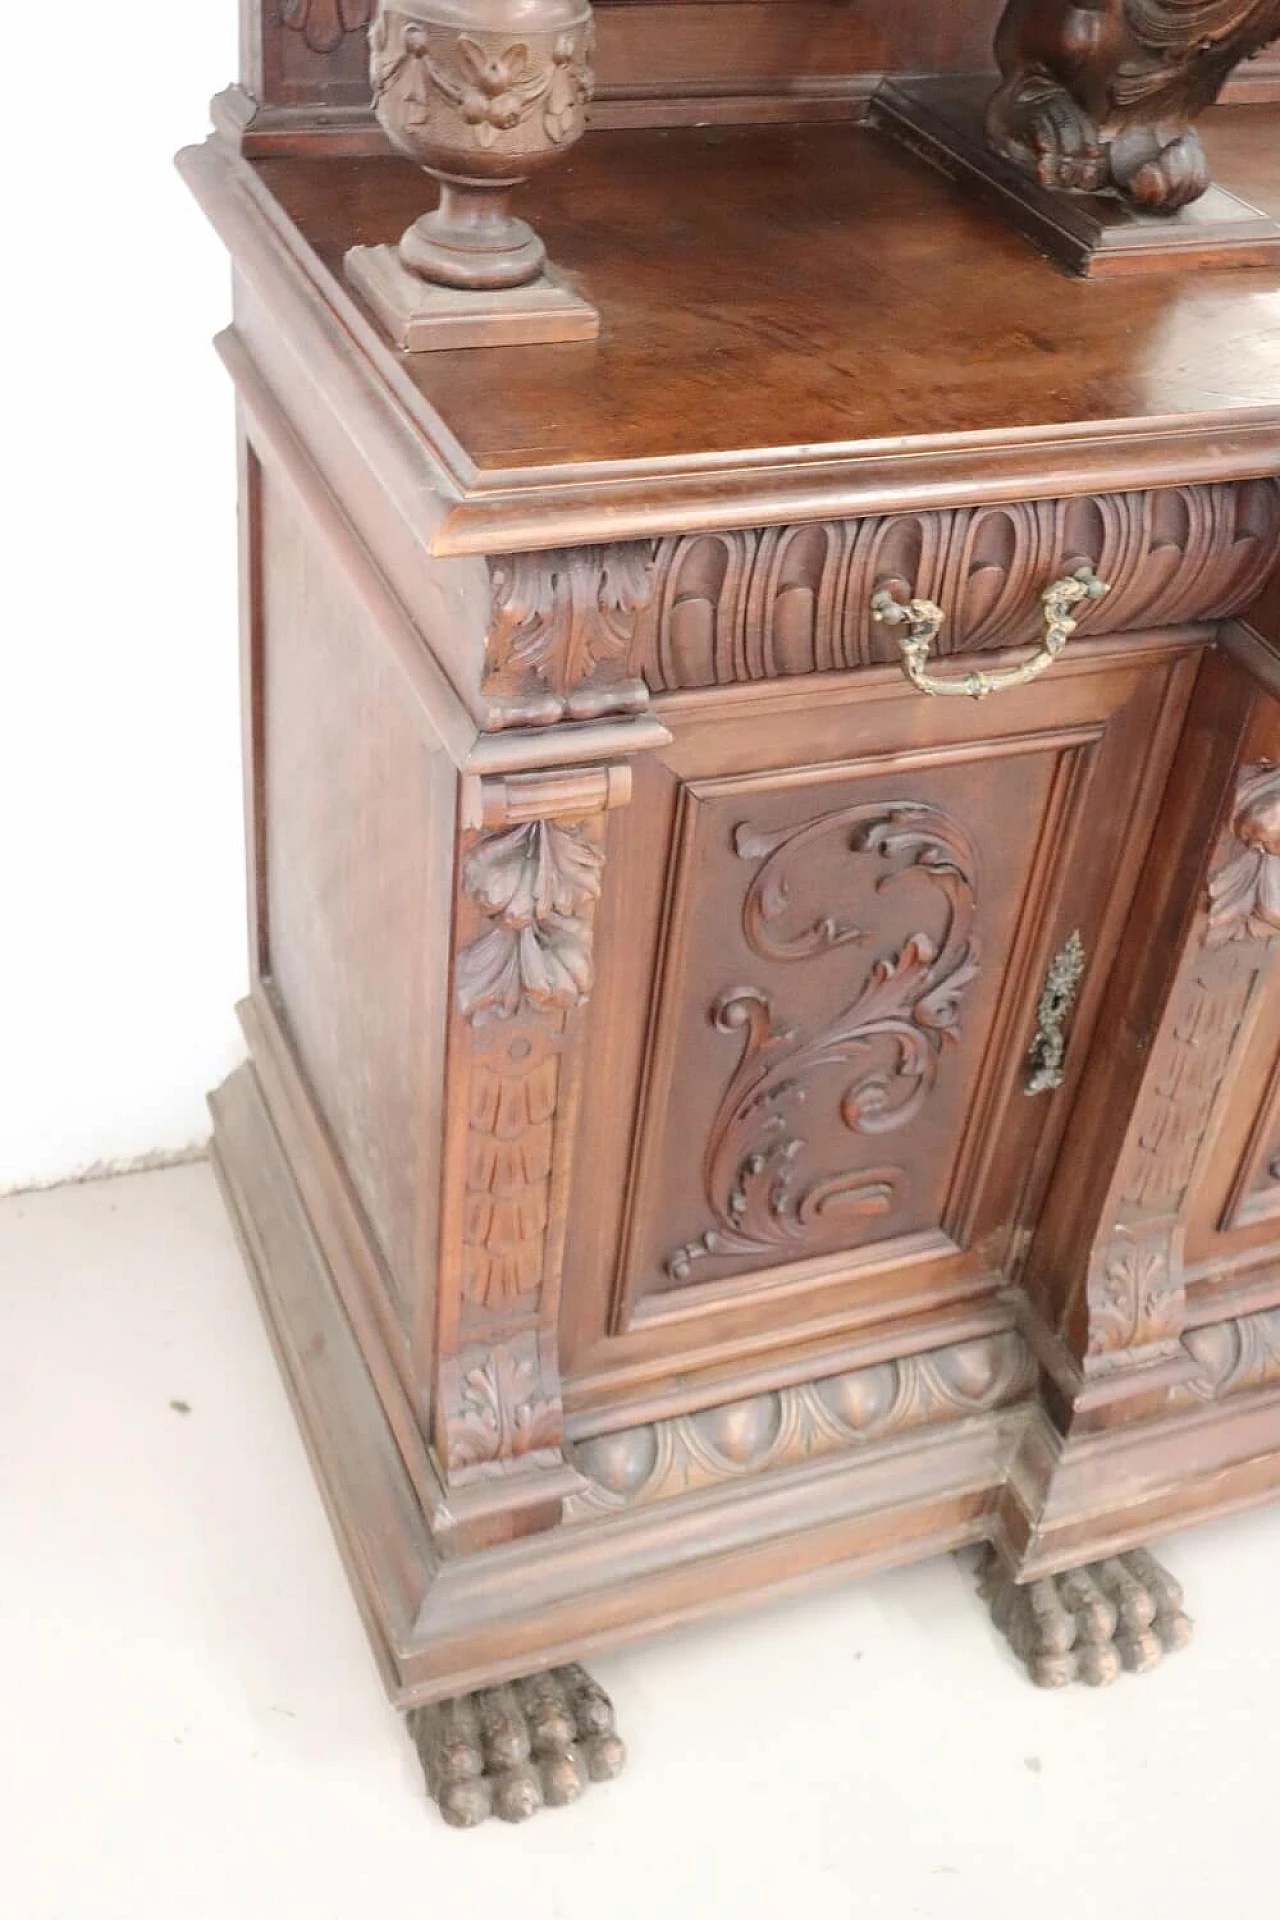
{"x": 422, "y": 317}
{"x": 1091, "y": 1623}
{"x": 510, "y": 1751}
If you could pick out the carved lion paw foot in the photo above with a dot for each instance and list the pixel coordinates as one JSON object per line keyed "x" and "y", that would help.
{"x": 1162, "y": 179}
{"x": 1044, "y": 131}
{"x": 512, "y": 1750}
{"x": 1089, "y": 1623}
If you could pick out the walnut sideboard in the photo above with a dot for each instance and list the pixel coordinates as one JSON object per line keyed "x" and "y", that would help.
{"x": 723, "y": 1114}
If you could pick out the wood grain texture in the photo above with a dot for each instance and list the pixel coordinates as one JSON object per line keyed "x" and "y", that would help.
{"x": 815, "y": 348}
{"x": 359, "y": 809}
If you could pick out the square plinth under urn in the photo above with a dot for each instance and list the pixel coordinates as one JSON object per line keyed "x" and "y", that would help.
{"x": 421, "y": 316}
{"x": 1089, "y": 234}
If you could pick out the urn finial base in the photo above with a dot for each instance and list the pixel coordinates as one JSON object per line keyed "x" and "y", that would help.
{"x": 471, "y": 240}
{"x": 482, "y": 94}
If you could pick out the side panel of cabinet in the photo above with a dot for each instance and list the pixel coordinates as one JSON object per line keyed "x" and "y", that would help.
{"x": 821, "y": 954}
{"x": 355, "y": 815}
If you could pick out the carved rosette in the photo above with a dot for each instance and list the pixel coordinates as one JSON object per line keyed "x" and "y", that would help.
{"x": 892, "y": 1036}
{"x": 530, "y": 878}
{"x": 481, "y": 93}
{"x": 1136, "y": 1294}
{"x": 1101, "y": 98}
{"x": 797, "y": 1425}
{"x": 560, "y": 633}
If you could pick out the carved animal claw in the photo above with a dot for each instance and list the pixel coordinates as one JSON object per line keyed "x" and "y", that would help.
{"x": 512, "y": 1750}
{"x": 1089, "y": 1623}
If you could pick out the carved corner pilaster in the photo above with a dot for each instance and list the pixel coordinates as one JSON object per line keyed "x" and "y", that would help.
{"x": 1134, "y": 1290}
{"x": 561, "y": 631}
{"x": 530, "y": 865}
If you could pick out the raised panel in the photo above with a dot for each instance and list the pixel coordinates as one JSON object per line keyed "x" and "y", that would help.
{"x": 820, "y": 958}
{"x": 839, "y": 947}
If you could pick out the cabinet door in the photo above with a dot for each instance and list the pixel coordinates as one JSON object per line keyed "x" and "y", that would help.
{"x": 829, "y": 919}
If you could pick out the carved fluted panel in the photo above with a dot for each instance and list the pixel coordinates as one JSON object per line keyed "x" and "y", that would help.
{"x": 795, "y": 1425}
{"x": 763, "y": 602}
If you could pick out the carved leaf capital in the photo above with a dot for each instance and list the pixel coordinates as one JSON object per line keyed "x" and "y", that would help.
{"x": 503, "y": 1412}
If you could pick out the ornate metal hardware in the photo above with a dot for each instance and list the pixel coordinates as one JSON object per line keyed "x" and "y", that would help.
{"x": 1045, "y": 1064}
{"x": 924, "y": 621}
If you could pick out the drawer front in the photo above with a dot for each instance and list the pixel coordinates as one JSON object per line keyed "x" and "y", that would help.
{"x": 822, "y": 952}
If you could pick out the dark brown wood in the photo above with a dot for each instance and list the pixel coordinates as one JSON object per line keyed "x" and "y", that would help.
{"x": 658, "y": 63}
{"x": 1093, "y": 234}
{"x": 831, "y": 337}
{"x": 722, "y": 1116}
{"x": 1103, "y": 95}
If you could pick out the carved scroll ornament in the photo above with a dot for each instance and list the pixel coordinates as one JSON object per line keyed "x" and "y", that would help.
{"x": 891, "y": 1036}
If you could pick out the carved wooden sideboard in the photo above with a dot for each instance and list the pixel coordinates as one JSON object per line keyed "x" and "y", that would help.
{"x": 726, "y": 1107}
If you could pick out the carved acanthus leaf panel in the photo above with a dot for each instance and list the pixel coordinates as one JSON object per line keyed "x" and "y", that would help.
{"x": 1136, "y": 1289}
{"x": 799, "y": 1424}
{"x": 503, "y": 1412}
{"x": 530, "y": 878}
{"x": 891, "y": 1035}
{"x": 752, "y": 605}
{"x": 561, "y": 627}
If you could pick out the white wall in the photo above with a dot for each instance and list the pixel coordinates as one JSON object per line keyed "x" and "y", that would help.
{"x": 121, "y": 919}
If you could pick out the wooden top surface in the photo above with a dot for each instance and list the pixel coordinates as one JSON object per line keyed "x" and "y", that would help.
{"x": 807, "y": 299}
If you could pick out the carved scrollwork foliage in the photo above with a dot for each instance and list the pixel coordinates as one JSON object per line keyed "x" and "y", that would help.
{"x": 502, "y": 1412}
{"x": 533, "y": 882}
{"x": 891, "y": 1035}
{"x": 561, "y": 628}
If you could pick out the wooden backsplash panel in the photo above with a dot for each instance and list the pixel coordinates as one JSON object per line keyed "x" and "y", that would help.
{"x": 755, "y": 58}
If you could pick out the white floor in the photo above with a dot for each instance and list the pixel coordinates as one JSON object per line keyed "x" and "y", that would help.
{"x": 191, "y": 1725}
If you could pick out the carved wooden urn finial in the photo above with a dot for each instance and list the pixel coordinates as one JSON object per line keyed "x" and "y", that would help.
{"x": 481, "y": 93}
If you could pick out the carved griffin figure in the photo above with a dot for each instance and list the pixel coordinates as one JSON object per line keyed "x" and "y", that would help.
{"x": 1100, "y": 95}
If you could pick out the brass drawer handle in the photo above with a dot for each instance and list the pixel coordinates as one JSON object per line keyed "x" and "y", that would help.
{"x": 924, "y": 621}
{"x": 1046, "y": 1062}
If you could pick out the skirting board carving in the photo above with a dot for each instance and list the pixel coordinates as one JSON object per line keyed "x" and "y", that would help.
{"x": 799, "y": 1424}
